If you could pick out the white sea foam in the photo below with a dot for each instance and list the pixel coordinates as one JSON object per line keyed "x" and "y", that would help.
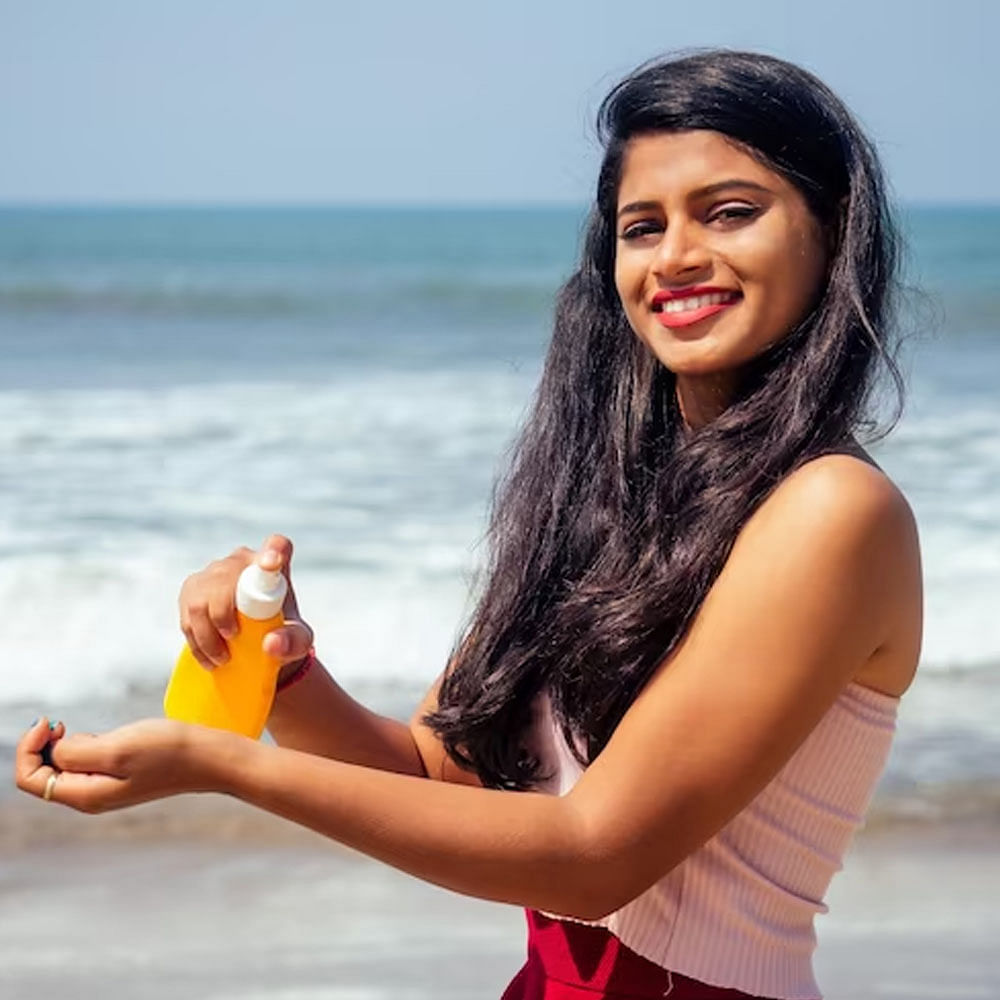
{"x": 382, "y": 480}
{"x": 114, "y": 497}
{"x": 945, "y": 456}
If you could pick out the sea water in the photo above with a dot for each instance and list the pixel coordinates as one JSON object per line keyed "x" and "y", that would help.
{"x": 361, "y": 373}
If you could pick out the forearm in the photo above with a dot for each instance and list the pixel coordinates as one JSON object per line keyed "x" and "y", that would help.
{"x": 317, "y": 716}
{"x": 522, "y": 848}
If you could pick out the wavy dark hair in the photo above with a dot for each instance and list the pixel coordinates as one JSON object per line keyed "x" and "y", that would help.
{"x": 614, "y": 519}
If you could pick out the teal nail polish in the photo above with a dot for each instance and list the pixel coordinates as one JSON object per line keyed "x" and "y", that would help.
{"x": 52, "y": 726}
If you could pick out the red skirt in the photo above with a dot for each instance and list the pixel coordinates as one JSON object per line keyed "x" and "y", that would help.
{"x": 570, "y": 961}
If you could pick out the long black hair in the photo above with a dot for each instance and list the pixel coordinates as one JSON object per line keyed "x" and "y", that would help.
{"x": 614, "y": 520}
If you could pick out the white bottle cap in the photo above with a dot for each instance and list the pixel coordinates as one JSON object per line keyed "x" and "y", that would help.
{"x": 260, "y": 593}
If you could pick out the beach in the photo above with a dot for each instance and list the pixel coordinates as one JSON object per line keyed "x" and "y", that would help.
{"x": 205, "y": 899}
{"x": 177, "y": 382}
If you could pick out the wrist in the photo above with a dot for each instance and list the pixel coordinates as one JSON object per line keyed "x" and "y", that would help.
{"x": 292, "y": 672}
{"x": 214, "y": 757}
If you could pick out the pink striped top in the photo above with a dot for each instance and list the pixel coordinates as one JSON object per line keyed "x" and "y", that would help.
{"x": 739, "y": 911}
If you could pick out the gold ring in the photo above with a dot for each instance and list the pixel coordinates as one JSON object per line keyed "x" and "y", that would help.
{"x": 50, "y": 785}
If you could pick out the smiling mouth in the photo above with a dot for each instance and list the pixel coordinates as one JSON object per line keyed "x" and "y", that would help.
{"x": 675, "y": 313}
{"x": 695, "y": 302}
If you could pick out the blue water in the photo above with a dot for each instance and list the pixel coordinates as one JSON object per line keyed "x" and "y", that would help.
{"x": 158, "y": 296}
{"x": 176, "y": 382}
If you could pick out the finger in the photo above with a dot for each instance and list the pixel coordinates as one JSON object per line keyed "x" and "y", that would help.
{"x": 202, "y": 657}
{"x": 56, "y": 732}
{"x": 222, "y": 614}
{"x": 30, "y": 772}
{"x": 276, "y": 553}
{"x": 290, "y": 642}
{"x": 222, "y": 607}
{"x": 192, "y": 643}
{"x": 89, "y": 793}
{"x": 37, "y": 736}
{"x": 244, "y": 555}
{"x": 203, "y": 636}
{"x": 221, "y": 576}
{"x": 83, "y": 752}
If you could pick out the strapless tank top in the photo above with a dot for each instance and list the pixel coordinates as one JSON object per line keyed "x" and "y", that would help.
{"x": 739, "y": 911}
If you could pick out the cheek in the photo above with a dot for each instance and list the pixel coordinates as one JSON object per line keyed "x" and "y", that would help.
{"x": 620, "y": 281}
{"x": 626, "y": 294}
{"x": 634, "y": 314}
{"x": 791, "y": 271}
{"x": 630, "y": 283}
{"x": 807, "y": 265}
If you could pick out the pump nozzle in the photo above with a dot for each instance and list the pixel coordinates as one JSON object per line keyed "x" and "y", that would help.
{"x": 260, "y": 592}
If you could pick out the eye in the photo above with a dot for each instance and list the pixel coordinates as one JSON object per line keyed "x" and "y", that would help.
{"x": 732, "y": 213}
{"x": 644, "y": 227}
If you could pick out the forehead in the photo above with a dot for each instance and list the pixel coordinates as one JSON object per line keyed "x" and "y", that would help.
{"x": 665, "y": 164}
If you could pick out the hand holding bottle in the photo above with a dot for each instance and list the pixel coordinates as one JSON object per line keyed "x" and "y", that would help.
{"x": 207, "y": 606}
{"x": 238, "y": 640}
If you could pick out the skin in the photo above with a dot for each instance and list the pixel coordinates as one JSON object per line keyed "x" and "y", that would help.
{"x": 695, "y": 210}
{"x": 834, "y": 547}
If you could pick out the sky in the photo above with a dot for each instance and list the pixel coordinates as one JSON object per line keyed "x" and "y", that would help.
{"x": 444, "y": 101}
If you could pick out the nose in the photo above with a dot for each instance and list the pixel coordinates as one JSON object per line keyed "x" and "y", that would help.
{"x": 680, "y": 254}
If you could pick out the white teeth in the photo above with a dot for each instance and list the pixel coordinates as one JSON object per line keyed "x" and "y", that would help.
{"x": 697, "y": 302}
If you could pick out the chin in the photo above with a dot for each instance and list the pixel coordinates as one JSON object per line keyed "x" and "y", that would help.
{"x": 702, "y": 357}
{"x": 695, "y": 364}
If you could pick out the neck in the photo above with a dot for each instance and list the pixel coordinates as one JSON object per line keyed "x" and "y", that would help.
{"x": 703, "y": 398}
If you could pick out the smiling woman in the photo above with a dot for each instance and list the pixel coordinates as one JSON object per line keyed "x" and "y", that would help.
{"x": 667, "y": 714}
{"x": 729, "y": 266}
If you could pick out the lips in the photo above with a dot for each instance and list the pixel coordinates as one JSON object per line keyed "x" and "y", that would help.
{"x": 691, "y": 305}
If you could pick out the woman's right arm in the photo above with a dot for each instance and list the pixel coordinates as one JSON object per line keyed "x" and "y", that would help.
{"x": 315, "y": 714}
{"x": 318, "y": 716}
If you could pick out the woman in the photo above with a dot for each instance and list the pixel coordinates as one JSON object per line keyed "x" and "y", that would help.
{"x": 704, "y": 600}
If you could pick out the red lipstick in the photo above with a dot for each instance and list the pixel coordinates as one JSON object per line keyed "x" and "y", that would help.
{"x": 684, "y": 306}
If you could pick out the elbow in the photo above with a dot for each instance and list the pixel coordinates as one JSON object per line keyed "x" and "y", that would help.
{"x": 590, "y": 903}
{"x": 608, "y": 872}
{"x": 612, "y": 900}
{"x": 594, "y": 910}
{"x": 598, "y": 888}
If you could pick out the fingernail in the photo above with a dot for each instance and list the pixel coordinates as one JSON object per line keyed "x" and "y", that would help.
{"x": 52, "y": 726}
{"x": 33, "y": 724}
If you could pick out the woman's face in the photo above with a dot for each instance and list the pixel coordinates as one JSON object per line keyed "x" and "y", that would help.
{"x": 717, "y": 256}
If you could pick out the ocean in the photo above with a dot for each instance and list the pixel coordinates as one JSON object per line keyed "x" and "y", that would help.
{"x": 180, "y": 381}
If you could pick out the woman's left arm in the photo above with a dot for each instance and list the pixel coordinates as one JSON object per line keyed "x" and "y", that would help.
{"x": 815, "y": 583}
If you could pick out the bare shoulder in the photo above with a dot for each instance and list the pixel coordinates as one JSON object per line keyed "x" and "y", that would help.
{"x": 847, "y": 511}
{"x": 835, "y": 499}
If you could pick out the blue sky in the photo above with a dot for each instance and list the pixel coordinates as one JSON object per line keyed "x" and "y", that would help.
{"x": 307, "y": 101}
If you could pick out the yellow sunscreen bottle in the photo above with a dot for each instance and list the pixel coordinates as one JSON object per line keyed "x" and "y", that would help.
{"x": 238, "y": 695}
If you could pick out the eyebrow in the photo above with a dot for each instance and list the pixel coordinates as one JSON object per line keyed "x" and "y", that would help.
{"x": 734, "y": 182}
